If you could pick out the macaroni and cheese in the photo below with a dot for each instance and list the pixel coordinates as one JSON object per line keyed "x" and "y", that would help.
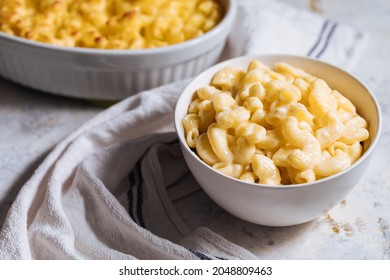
{"x": 114, "y": 24}
{"x": 273, "y": 126}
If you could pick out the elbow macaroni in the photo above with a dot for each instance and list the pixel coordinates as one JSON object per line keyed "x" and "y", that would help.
{"x": 281, "y": 126}
{"x": 114, "y": 24}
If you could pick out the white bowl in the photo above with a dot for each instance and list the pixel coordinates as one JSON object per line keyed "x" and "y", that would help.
{"x": 110, "y": 74}
{"x": 292, "y": 204}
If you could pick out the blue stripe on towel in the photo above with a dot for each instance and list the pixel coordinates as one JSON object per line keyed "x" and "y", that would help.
{"x": 202, "y": 256}
{"x": 331, "y": 32}
{"x": 140, "y": 198}
{"x": 319, "y": 39}
{"x": 135, "y": 195}
{"x": 130, "y": 195}
{"x": 325, "y": 31}
{"x": 199, "y": 255}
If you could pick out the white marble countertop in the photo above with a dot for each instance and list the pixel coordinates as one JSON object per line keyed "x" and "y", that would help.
{"x": 31, "y": 123}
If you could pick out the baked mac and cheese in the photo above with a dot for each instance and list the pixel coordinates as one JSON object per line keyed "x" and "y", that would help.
{"x": 273, "y": 126}
{"x": 109, "y": 24}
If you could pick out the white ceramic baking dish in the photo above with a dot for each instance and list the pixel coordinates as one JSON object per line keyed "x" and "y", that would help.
{"x": 110, "y": 74}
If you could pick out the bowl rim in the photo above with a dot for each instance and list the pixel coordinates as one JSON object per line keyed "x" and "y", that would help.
{"x": 213, "y": 68}
{"x": 228, "y": 17}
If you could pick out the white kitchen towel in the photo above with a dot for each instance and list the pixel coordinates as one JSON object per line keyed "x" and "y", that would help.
{"x": 265, "y": 26}
{"x": 106, "y": 191}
